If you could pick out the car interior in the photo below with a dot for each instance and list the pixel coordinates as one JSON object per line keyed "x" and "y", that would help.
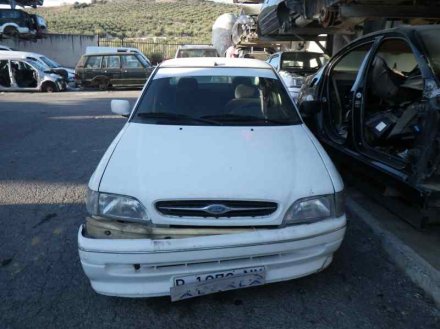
{"x": 392, "y": 104}
{"x": 24, "y": 75}
{"x": 5, "y": 79}
{"x": 342, "y": 78}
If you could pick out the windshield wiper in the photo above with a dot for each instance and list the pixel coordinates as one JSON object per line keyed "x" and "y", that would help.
{"x": 176, "y": 117}
{"x": 242, "y": 118}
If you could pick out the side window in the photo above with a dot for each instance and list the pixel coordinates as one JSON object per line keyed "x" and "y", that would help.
{"x": 112, "y": 62}
{"x": 394, "y": 86}
{"x": 94, "y": 62}
{"x": 341, "y": 79}
{"x": 131, "y": 62}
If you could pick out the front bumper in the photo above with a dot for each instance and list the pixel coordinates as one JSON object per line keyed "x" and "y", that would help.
{"x": 286, "y": 253}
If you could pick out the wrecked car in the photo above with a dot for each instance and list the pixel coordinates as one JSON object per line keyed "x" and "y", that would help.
{"x": 18, "y": 23}
{"x": 375, "y": 106}
{"x": 49, "y": 64}
{"x": 214, "y": 183}
{"x": 112, "y": 69}
{"x": 291, "y": 17}
{"x": 294, "y": 66}
{"x": 18, "y": 74}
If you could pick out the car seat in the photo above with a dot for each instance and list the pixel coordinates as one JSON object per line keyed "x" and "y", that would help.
{"x": 245, "y": 102}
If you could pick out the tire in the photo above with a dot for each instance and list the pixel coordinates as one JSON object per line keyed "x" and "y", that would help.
{"x": 49, "y": 87}
{"x": 103, "y": 84}
{"x": 10, "y": 31}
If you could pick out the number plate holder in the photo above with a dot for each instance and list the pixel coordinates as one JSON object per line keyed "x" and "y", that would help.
{"x": 202, "y": 284}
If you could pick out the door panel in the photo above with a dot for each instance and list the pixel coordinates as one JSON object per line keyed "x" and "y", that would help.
{"x": 133, "y": 71}
{"x": 111, "y": 68}
{"x": 92, "y": 68}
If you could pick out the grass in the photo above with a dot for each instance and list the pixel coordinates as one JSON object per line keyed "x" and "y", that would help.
{"x": 172, "y": 19}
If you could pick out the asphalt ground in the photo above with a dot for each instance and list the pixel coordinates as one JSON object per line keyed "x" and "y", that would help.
{"x": 49, "y": 147}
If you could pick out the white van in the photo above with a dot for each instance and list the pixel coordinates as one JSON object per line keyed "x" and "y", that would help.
{"x": 214, "y": 183}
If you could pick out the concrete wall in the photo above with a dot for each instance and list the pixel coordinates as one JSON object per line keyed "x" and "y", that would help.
{"x": 65, "y": 49}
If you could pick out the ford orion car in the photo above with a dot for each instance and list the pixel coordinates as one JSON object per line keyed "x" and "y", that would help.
{"x": 214, "y": 183}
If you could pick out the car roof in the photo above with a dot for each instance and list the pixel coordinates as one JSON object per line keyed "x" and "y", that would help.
{"x": 216, "y": 62}
{"x": 196, "y": 47}
{"x": 107, "y": 53}
{"x": 20, "y": 54}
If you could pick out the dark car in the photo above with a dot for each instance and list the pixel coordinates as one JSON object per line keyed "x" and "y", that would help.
{"x": 15, "y": 22}
{"x": 115, "y": 69}
{"x": 376, "y": 107}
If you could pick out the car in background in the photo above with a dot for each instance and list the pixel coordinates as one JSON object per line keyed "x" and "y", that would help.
{"x": 375, "y": 106}
{"x": 68, "y": 74}
{"x": 196, "y": 51}
{"x": 294, "y": 66}
{"x": 113, "y": 69}
{"x": 18, "y": 23}
{"x": 39, "y": 25}
{"x": 18, "y": 74}
{"x": 214, "y": 183}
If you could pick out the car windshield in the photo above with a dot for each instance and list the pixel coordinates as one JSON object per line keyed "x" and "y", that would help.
{"x": 216, "y": 100}
{"x": 197, "y": 53}
{"x": 52, "y": 64}
{"x": 432, "y": 45}
{"x": 302, "y": 61}
{"x": 38, "y": 65}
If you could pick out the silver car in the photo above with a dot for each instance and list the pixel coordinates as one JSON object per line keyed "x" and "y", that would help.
{"x": 295, "y": 66}
{"x": 28, "y": 75}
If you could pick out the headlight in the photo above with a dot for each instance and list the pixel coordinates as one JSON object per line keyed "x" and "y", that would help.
{"x": 315, "y": 209}
{"x": 114, "y": 206}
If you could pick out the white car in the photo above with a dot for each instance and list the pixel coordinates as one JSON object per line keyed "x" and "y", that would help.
{"x": 295, "y": 66}
{"x": 214, "y": 183}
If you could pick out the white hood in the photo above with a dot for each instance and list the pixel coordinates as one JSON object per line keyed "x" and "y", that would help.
{"x": 163, "y": 162}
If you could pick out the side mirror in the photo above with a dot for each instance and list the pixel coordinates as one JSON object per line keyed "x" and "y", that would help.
{"x": 310, "y": 108}
{"x": 121, "y": 107}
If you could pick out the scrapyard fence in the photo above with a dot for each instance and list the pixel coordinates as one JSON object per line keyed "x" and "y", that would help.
{"x": 165, "y": 49}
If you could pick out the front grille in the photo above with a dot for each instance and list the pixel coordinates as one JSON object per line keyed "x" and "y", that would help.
{"x": 216, "y": 208}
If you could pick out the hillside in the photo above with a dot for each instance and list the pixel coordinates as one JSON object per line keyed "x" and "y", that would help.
{"x": 188, "y": 19}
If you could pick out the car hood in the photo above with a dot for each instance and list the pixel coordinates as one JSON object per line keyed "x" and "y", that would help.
{"x": 166, "y": 162}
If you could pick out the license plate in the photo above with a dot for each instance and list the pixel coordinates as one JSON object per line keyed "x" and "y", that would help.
{"x": 202, "y": 284}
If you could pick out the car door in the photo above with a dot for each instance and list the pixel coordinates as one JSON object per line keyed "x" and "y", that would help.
{"x": 134, "y": 71}
{"x": 5, "y": 75}
{"x": 92, "y": 68}
{"x": 338, "y": 98}
{"x": 391, "y": 111}
{"x": 111, "y": 68}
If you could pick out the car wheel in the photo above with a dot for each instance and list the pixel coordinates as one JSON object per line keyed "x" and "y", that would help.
{"x": 10, "y": 31}
{"x": 49, "y": 87}
{"x": 103, "y": 85}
